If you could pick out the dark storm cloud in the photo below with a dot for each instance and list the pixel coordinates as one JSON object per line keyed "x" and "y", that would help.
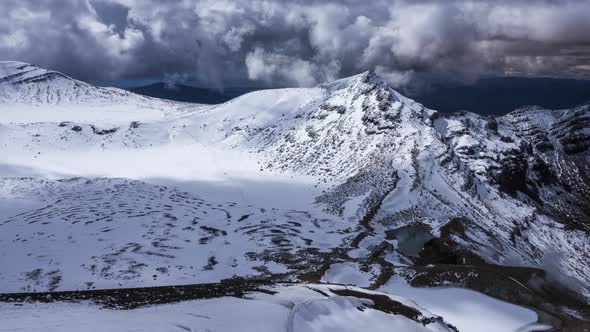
{"x": 220, "y": 42}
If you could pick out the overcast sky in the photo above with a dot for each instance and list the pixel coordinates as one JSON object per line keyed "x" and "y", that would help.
{"x": 298, "y": 43}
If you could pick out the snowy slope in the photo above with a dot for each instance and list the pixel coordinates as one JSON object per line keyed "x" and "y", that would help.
{"x": 46, "y": 95}
{"x": 310, "y": 307}
{"x": 145, "y": 192}
{"x": 318, "y": 308}
{"x": 29, "y": 84}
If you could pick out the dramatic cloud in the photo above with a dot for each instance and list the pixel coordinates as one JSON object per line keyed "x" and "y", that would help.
{"x": 232, "y": 42}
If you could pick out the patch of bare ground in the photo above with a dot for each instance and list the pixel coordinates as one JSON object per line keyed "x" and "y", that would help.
{"x": 131, "y": 298}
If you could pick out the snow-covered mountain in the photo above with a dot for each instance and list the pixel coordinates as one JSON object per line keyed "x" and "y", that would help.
{"x": 37, "y": 94}
{"x": 347, "y": 182}
{"x": 28, "y": 84}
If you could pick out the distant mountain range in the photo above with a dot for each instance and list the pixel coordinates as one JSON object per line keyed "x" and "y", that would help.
{"x": 502, "y": 95}
{"x": 498, "y": 96}
{"x": 189, "y": 94}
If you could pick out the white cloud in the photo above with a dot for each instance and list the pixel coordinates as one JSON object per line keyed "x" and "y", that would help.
{"x": 272, "y": 67}
{"x": 301, "y": 42}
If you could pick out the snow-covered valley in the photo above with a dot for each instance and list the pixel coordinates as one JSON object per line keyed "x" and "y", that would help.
{"x": 104, "y": 189}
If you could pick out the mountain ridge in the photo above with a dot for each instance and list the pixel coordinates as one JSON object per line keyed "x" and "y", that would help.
{"x": 32, "y": 84}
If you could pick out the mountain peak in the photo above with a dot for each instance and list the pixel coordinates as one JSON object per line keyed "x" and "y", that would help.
{"x": 370, "y": 77}
{"x": 10, "y": 68}
{"x": 17, "y": 72}
{"x": 367, "y": 77}
{"x": 24, "y": 83}
{"x": 13, "y": 63}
